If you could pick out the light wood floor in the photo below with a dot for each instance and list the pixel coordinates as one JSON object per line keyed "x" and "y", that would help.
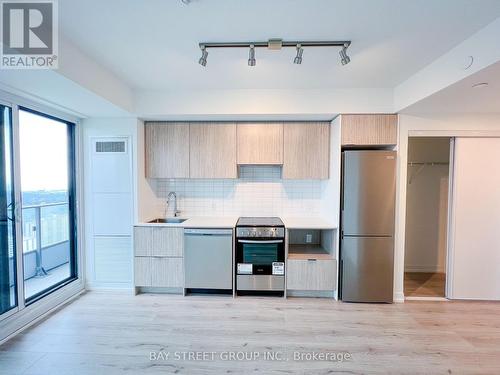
{"x": 422, "y": 284}
{"x": 114, "y": 334}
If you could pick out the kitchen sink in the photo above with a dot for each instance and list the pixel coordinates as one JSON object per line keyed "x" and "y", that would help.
{"x": 170, "y": 220}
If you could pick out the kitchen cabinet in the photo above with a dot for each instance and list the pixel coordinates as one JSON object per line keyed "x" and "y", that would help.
{"x": 306, "y": 150}
{"x": 260, "y": 143}
{"x": 158, "y": 257}
{"x": 142, "y": 241}
{"x": 369, "y": 130}
{"x": 167, "y": 272}
{"x": 311, "y": 274}
{"x": 212, "y": 151}
{"x": 167, "y": 242}
{"x": 142, "y": 271}
{"x": 167, "y": 150}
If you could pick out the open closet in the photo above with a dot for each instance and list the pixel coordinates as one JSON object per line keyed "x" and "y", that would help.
{"x": 427, "y": 216}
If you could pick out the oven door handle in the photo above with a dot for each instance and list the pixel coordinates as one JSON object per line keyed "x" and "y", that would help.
{"x": 264, "y": 242}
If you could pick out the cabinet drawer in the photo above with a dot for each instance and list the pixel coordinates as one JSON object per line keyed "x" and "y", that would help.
{"x": 167, "y": 242}
{"x": 317, "y": 274}
{"x": 142, "y": 271}
{"x": 167, "y": 272}
{"x": 142, "y": 241}
{"x": 158, "y": 241}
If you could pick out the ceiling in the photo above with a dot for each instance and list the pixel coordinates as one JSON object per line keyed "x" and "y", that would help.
{"x": 462, "y": 97}
{"x": 153, "y": 44}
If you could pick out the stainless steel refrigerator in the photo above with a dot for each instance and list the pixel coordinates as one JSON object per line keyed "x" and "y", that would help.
{"x": 367, "y": 222}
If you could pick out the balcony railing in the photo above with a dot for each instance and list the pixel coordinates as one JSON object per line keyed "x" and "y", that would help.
{"x": 45, "y": 235}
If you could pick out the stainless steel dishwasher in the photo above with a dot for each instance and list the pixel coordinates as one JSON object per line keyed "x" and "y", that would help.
{"x": 208, "y": 258}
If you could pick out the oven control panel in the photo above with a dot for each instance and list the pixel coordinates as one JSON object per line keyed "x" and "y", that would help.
{"x": 260, "y": 232}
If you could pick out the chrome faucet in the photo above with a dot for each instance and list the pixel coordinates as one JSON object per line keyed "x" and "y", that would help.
{"x": 174, "y": 196}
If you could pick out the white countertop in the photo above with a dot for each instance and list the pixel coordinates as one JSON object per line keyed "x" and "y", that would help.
{"x": 230, "y": 222}
{"x": 307, "y": 223}
{"x": 198, "y": 222}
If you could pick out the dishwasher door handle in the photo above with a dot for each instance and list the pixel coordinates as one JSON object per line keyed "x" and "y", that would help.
{"x": 252, "y": 241}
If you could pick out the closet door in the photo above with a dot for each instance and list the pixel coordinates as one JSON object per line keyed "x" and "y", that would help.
{"x": 475, "y": 255}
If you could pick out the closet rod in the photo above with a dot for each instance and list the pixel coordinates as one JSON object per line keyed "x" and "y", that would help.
{"x": 428, "y": 163}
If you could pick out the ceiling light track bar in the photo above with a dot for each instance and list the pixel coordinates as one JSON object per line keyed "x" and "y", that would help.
{"x": 277, "y": 44}
{"x": 314, "y": 43}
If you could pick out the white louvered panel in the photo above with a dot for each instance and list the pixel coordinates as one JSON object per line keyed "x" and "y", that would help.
{"x": 113, "y": 259}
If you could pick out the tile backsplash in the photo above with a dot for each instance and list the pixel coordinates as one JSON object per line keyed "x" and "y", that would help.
{"x": 259, "y": 191}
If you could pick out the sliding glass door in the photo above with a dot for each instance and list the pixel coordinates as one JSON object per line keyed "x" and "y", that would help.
{"x": 8, "y": 284}
{"x": 47, "y": 185}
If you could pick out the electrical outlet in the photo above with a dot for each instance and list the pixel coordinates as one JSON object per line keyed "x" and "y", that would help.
{"x": 309, "y": 238}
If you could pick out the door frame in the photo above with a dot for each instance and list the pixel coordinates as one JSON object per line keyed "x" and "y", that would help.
{"x": 449, "y": 217}
{"x": 16, "y": 308}
{"x": 422, "y": 127}
{"x": 23, "y": 316}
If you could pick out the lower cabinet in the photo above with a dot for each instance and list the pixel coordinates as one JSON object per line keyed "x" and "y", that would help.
{"x": 158, "y": 260}
{"x": 165, "y": 272}
{"x": 311, "y": 274}
{"x": 142, "y": 271}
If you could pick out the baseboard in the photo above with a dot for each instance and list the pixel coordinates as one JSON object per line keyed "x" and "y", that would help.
{"x": 399, "y": 297}
{"x": 311, "y": 293}
{"x": 118, "y": 288}
{"x": 159, "y": 290}
{"x": 425, "y": 268}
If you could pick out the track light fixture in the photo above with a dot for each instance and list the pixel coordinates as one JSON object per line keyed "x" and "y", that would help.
{"x": 298, "y": 58}
{"x": 344, "y": 59}
{"x": 251, "y": 56}
{"x": 275, "y": 45}
{"x": 204, "y": 54}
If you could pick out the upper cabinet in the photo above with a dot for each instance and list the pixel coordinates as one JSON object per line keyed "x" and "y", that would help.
{"x": 167, "y": 150}
{"x": 212, "y": 151}
{"x": 369, "y": 130}
{"x": 260, "y": 143}
{"x": 306, "y": 150}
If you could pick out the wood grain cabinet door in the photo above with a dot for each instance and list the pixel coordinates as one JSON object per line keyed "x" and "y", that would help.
{"x": 167, "y": 150}
{"x": 167, "y": 272}
{"x": 167, "y": 242}
{"x": 311, "y": 274}
{"x": 260, "y": 143}
{"x": 142, "y": 271}
{"x": 212, "y": 150}
{"x": 306, "y": 150}
{"x": 369, "y": 130}
{"x": 142, "y": 241}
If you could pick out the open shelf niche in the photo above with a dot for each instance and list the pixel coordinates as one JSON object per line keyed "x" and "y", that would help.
{"x": 311, "y": 244}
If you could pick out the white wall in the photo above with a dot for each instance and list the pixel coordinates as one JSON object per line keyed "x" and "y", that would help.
{"x": 265, "y": 104}
{"x": 432, "y": 125}
{"x": 427, "y": 205}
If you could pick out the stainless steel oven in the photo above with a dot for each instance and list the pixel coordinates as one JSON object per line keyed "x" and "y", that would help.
{"x": 260, "y": 254}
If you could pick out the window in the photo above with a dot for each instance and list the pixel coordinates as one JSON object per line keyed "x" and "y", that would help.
{"x": 47, "y": 176}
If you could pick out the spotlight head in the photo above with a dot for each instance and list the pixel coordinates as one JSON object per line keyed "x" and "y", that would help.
{"x": 203, "y": 59}
{"x": 251, "y": 56}
{"x": 344, "y": 59}
{"x": 298, "y": 57}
